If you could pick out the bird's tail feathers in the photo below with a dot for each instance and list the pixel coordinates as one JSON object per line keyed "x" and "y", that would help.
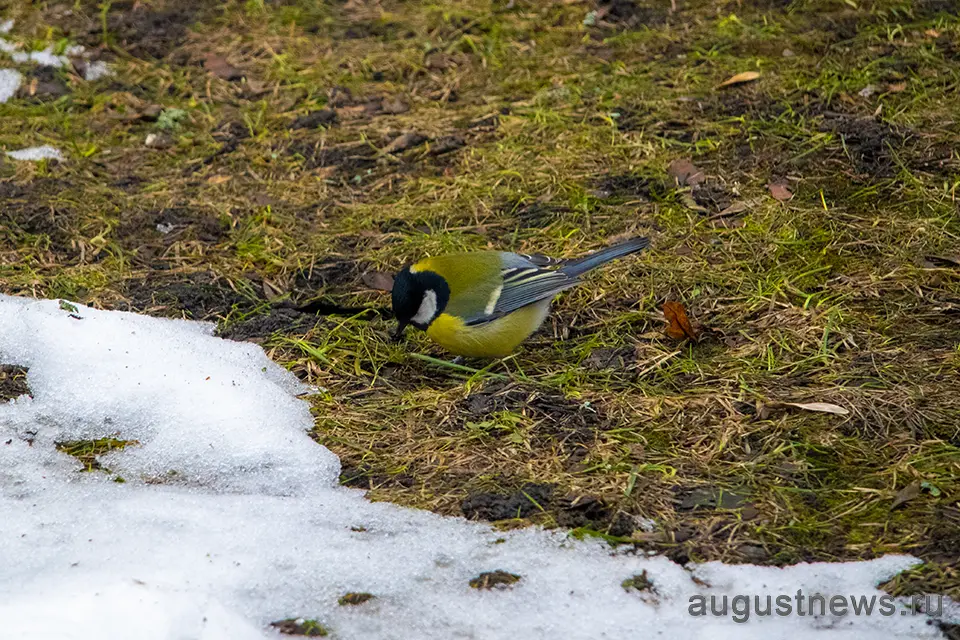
{"x": 580, "y": 266}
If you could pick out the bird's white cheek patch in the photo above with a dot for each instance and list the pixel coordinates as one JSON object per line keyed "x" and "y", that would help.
{"x": 428, "y": 307}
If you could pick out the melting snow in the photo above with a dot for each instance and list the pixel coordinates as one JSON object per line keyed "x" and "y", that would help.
{"x": 46, "y": 57}
{"x": 46, "y": 152}
{"x": 230, "y": 517}
{"x": 9, "y": 83}
{"x": 96, "y": 70}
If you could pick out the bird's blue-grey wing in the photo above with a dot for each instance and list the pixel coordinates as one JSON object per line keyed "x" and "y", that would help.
{"x": 524, "y": 283}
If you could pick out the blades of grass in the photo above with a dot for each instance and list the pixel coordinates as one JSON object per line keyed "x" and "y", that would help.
{"x": 458, "y": 367}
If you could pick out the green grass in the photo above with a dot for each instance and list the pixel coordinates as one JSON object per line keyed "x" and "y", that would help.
{"x": 847, "y": 293}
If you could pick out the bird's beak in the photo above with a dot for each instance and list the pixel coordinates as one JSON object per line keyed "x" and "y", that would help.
{"x": 398, "y": 334}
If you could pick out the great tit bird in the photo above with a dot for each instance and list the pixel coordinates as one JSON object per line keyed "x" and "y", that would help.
{"x": 484, "y": 304}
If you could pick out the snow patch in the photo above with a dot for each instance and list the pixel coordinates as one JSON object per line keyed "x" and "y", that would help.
{"x": 230, "y": 517}
{"x": 44, "y": 57}
{"x": 96, "y": 70}
{"x": 10, "y": 81}
{"x": 45, "y": 152}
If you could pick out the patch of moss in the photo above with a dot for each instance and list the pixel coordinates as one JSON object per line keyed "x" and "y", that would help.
{"x": 495, "y": 580}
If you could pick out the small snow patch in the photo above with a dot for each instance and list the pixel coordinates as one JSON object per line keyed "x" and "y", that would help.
{"x": 6, "y": 26}
{"x": 96, "y": 70}
{"x": 45, "y": 152}
{"x": 45, "y": 57}
{"x": 10, "y": 81}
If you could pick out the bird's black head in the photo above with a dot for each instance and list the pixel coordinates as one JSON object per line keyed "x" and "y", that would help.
{"x": 418, "y": 298}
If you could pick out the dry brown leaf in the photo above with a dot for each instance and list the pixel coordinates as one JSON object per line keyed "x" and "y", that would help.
{"x": 737, "y": 207}
{"x": 779, "y": 191}
{"x": 896, "y": 87}
{"x": 942, "y": 261}
{"x": 678, "y": 325}
{"x": 821, "y": 407}
{"x": 254, "y": 88}
{"x": 906, "y": 494}
{"x": 691, "y": 204}
{"x": 218, "y": 66}
{"x": 271, "y": 290}
{"x": 933, "y": 33}
{"x": 685, "y": 172}
{"x": 378, "y": 280}
{"x": 740, "y": 78}
{"x": 219, "y": 179}
{"x": 408, "y": 140}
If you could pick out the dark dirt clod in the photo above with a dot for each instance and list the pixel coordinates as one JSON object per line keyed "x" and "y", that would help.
{"x": 354, "y": 599}
{"x": 712, "y": 196}
{"x": 13, "y": 382}
{"x": 314, "y": 119}
{"x": 622, "y": 526}
{"x": 628, "y": 14}
{"x": 753, "y": 553}
{"x": 330, "y": 274}
{"x": 495, "y": 580}
{"x": 43, "y": 83}
{"x": 871, "y": 143}
{"x": 300, "y": 627}
{"x": 622, "y": 185}
{"x": 32, "y": 210}
{"x": 568, "y": 421}
{"x": 199, "y": 297}
{"x": 284, "y": 321}
{"x": 146, "y": 33}
{"x": 495, "y": 506}
{"x": 582, "y": 511}
{"x": 349, "y": 158}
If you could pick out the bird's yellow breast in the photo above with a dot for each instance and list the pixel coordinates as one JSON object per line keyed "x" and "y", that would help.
{"x": 494, "y": 339}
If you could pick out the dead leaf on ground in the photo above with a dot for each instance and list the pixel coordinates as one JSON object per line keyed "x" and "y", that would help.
{"x": 219, "y": 179}
{"x": 896, "y": 87}
{"x": 255, "y": 88}
{"x": 942, "y": 261}
{"x": 906, "y": 494}
{"x": 737, "y": 207}
{"x": 740, "y": 78}
{"x": 271, "y": 289}
{"x": 678, "y": 324}
{"x": 821, "y": 407}
{"x": 685, "y": 172}
{"x": 406, "y": 141}
{"x": 395, "y": 106}
{"x": 780, "y": 192}
{"x": 378, "y": 280}
{"x": 218, "y": 66}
